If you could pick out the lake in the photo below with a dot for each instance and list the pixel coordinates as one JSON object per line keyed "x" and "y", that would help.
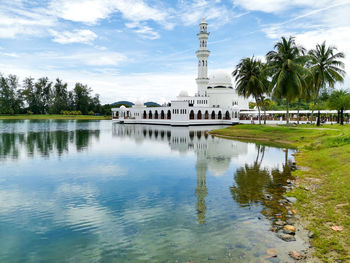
{"x": 97, "y": 191}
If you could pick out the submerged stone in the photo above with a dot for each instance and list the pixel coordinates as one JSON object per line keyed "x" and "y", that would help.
{"x": 296, "y": 255}
{"x": 289, "y": 229}
{"x": 286, "y": 237}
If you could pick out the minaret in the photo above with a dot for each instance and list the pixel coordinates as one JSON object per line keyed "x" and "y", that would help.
{"x": 202, "y": 55}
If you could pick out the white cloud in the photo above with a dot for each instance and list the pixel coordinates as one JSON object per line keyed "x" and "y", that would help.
{"x": 77, "y": 36}
{"x": 275, "y": 6}
{"x": 135, "y": 12}
{"x": 191, "y": 13}
{"x": 143, "y": 30}
{"x": 15, "y": 20}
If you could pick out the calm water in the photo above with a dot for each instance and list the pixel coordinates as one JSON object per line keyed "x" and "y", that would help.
{"x": 93, "y": 191}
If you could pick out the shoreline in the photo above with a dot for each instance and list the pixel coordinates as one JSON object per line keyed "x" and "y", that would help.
{"x": 322, "y": 180}
{"x": 53, "y": 117}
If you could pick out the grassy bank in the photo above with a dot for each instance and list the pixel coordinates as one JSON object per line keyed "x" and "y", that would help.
{"x": 53, "y": 117}
{"x": 323, "y": 185}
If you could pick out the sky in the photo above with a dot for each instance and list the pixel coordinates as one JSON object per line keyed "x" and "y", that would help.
{"x": 145, "y": 49}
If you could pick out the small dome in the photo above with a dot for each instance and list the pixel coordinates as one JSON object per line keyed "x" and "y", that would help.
{"x": 139, "y": 103}
{"x": 122, "y": 107}
{"x": 183, "y": 93}
{"x": 236, "y": 106}
{"x": 220, "y": 79}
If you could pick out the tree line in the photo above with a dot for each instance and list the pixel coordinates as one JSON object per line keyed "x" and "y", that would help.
{"x": 292, "y": 74}
{"x": 46, "y": 97}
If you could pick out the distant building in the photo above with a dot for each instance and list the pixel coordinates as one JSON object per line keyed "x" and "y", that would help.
{"x": 216, "y": 100}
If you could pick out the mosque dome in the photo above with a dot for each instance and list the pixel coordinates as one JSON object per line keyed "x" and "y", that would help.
{"x": 218, "y": 165}
{"x": 122, "y": 107}
{"x": 139, "y": 103}
{"x": 220, "y": 79}
{"x": 183, "y": 93}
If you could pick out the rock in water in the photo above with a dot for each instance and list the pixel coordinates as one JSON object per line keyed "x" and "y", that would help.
{"x": 296, "y": 255}
{"x": 288, "y": 229}
{"x": 272, "y": 252}
{"x": 286, "y": 237}
{"x": 280, "y": 223}
{"x": 291, "y": 199}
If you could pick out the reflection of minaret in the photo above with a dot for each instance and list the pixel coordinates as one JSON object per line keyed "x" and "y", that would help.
{"x": 201, "y": 189}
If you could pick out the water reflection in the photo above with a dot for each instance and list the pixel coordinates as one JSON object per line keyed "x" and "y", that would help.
{"x": 44, "y": 137}
{"x": 134, "y": 193}
{"x": 255, "y": 184}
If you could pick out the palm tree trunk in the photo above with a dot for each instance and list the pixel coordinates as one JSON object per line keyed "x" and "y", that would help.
{"x": 257, "y": 104}
{"x": 264, "y": 108}
{"x": 298, "y": 111}
{"x": 318, "y": 118}
{"x": 342, "y": 116}
{"x": 287, "y": 117}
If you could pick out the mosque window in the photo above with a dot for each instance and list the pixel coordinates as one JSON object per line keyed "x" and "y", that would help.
{"x": 203, "y": 62}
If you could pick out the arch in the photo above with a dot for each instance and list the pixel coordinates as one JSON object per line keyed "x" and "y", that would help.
{"x": 191, "y": 135}
{"x": 156, "y": 115}
{"x": 219, "y": 115}
{"x": 227, "y": 115}
{"x": 199, "y": 115}
{"x": 150, "y": 115}
{"x": 168, "y": 115}
{"x": 192, "y": 115}
{"x": 144, "y": 114}
{"x": 213, "y": 115}
{"x": 162, "y": 115}
{"x": 206, "y": 115}
{"x": 236, "y": 115}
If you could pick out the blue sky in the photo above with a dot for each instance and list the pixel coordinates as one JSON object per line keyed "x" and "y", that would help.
{"x": 145, "y": 49}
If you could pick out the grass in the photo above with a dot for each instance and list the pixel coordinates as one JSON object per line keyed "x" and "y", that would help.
{"x": 52, "y": 117}
{"x": 323, "y": 187}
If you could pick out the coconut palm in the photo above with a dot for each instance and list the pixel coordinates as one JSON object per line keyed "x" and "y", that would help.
{"x": 339, "y": 100}
{"x": 251, "y": 80}
{"x": 327, "y": 68}
{"x": 286, "y": 64}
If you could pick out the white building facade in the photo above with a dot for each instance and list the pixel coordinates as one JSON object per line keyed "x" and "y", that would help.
{"x": 216, "y": 101}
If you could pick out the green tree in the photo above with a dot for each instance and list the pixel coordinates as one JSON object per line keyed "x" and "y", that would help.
{"x": 251, "y": 80}
{"x": 82, "y": 98}
{"x": 286, "y": 65}
{"x": 60, "y": 97}
{"x": 327, "y": 69}
{"x": 11, "y": 100}
{"x": 339, "y": 100}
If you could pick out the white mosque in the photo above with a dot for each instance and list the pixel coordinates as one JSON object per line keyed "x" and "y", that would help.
{"x": 216, "y": 101}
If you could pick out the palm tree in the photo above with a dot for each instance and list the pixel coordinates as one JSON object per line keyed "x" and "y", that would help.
{"x": 339, "y": 100}
{"x": 286, "y": 64}
{"x": 251, "y": 80}
{"x": 327, "y": 69}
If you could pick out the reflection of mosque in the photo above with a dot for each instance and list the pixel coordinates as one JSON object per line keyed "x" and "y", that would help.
{"x": 213, "y": 154}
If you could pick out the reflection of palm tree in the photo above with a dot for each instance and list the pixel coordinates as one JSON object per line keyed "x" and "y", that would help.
{"x": 251, "y": 181}
{"x": 250, "y": 184}
{"x": 254, "y": 184}
{"x": 201, "y": 191}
